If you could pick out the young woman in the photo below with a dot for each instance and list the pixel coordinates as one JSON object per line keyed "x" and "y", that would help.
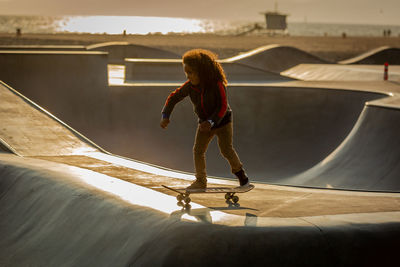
{"x": 206, "y": 87}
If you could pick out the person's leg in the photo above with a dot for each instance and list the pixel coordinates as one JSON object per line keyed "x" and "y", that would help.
{"x": 225, "y": 144}
{"x": 202, "y": 140}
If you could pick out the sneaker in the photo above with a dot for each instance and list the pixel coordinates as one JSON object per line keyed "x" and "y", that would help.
{"x": 243, "y": 179}
{"x": 198, "y": 184}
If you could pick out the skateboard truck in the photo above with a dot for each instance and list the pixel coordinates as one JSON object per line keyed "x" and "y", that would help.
{"x": 184, "y": 194}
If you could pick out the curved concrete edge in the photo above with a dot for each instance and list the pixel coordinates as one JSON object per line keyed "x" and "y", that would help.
{"x": 275, "y": 58}
{"x": 356, "y": 162}
{"x": 4, "y": 146}
{"x": 374, "y": 56}
{"x": 390, "y": 89}
{"x": 251, "y": 52}
{"x": 43, "y": 47}
{"x": 266, "y": 48}
{"x": 105, "y": 44}
{"x": 363, "y": 55}
{"x": 55, "y": 216}
{"x": 52, "y": 52}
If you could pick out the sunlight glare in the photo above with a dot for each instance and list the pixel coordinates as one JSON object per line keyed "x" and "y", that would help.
{"x": 132, "y": 25}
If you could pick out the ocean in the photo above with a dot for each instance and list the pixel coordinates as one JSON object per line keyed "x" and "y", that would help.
{"x": 163, "y": 25}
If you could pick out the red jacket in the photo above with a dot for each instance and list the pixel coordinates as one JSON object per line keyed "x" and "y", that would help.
{"x": 209, "y": 104}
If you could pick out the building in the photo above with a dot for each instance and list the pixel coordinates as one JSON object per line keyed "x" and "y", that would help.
{"x": 275, "y": 21}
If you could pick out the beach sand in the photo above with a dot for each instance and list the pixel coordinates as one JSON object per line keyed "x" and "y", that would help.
{"x": 330, "y": 48}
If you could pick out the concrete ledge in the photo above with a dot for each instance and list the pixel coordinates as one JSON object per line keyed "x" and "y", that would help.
{"x": 44, "y": 47}
{"x": 46, "y": 52}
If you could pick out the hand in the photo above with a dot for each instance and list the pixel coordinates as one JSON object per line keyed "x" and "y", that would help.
{"x": 164, "y": 123}
{"x": 205, "y": 126}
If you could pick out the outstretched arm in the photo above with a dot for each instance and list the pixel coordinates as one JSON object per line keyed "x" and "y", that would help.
{"x": 173, "y": 98}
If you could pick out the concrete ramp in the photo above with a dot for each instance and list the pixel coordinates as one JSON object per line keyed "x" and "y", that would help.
{"x": 59, "y": 215}
{"x": 141, "y": 70}
{"x": 369, "y": 158}
{"x": 55, "y": 219}
{"x": 380, "y": 55}
{"x": 118, "y": 51}
{"x": 275, "y": 58}
{"x": 71, "y": 85}
{"x": 28, "y": 130}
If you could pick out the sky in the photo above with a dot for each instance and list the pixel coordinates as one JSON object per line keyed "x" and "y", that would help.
{"x": 326, "y": 11}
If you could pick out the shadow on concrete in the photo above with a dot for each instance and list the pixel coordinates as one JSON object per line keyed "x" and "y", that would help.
{"x": 205, "y": 215}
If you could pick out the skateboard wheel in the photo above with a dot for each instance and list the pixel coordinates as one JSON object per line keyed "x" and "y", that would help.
{"x": 187, "y": 200}
{"x": 235, "y": 199}
{"x": 227, "y": 196}
{"x": 179, "y": 198}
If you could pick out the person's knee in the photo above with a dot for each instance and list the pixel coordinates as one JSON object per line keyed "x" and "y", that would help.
{"x": 228, "y": 152}
{"x": 199, "y": 151}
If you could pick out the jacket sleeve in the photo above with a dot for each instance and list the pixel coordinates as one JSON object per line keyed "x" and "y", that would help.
{"x": 222, "y": 105}
{"x": 175, "y": 97}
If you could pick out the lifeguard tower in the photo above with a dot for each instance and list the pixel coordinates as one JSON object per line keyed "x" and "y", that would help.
{"x": 276, "y": 21}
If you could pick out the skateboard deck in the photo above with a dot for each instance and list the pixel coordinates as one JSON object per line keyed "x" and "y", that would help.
{"x": 230, "y": 192}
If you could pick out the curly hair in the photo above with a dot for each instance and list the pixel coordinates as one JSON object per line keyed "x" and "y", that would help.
{"x": 205, "y": 63}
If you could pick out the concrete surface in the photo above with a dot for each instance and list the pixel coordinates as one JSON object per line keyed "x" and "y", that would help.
{"x": 79, "y": 205}
{"x": 139, "y": 70}
{"x": 262, "y": 64}
{"x": 367, "y": 160}
{"x": 72, "y": 85}
{"x": 275, "y": 58}
{"x": 380, "y": 55}
{"x": 27, "y": 130}
{"x": 59, "y": 215}
{"x": 334, "y": 72}
{"x": 118, "y": 51}
{"x": 274, "y": 126}
{"x": 43, "y": 47}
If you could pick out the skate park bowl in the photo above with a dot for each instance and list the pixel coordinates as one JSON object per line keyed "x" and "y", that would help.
{"x": 61, "y": 212}
{"x": 69, "y": 202}
{"x": 274, "y": 127}
{"x": 280, "y": 129}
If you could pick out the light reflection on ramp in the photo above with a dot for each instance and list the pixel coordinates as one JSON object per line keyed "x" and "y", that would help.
{"x": 145, "y": 167}
{"x": 145, "y": 197}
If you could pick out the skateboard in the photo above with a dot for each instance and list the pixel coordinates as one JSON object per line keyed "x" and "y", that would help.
{"x": 184, "y": 194}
